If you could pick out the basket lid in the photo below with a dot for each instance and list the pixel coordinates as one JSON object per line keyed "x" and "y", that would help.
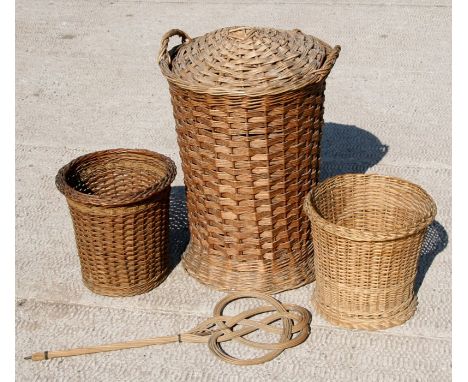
{"x": 246, "y": 61}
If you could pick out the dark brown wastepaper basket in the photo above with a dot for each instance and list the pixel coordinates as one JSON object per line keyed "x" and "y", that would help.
{"x": 119, "y": 203}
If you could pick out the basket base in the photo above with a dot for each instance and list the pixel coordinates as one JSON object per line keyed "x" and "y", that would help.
{"x": 255, "y": 275}
{"x": 113, "y": 291}
{"x": 367, "y": 323}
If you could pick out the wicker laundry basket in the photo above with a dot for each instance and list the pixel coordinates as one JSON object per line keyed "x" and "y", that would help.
{"x": 248, "y": 106}
{"x": 367, "y": 233}
{"x": 119, "y": 203}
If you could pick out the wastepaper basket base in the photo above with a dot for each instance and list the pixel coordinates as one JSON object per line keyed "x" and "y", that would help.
{"x": 372, "y": 322}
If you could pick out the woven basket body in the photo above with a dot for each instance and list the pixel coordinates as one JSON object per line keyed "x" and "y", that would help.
{"x": 119, "y": 203}
{"x": 248, "y": 105}
{"x": 367, "y": 234}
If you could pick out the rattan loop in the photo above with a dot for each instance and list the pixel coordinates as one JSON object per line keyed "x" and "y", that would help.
{"x": 291, "y": 323}
{"x": 163, "y": 52}
{"x": 215, "y": 346}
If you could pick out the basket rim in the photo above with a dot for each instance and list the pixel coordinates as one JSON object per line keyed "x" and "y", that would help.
{"x": 365, "y": 235}
{"x": 114, "y": 201}
{"x": 313, "y": 76}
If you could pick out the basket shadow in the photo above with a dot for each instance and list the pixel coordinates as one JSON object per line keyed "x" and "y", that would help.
{"x": 435, "y": 241}
{"x": 348, "y": 149}
{"x": 344, "y": 148}
{"x": 179, "y": 235}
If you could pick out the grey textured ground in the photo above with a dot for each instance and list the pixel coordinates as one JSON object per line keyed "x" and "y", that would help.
{"x": 87, "y": 80}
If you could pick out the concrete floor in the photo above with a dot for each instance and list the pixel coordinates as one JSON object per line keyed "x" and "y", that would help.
{"x": 87, "y": 80}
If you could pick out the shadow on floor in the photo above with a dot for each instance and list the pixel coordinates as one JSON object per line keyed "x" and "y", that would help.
{"x": 179, "y": 234}
{"x": 435, "y": 242}
{"x": 344, "y": 149}
{"x": 347, "y": 148}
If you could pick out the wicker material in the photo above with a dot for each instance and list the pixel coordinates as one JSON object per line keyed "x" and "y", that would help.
{"x": 119, "y": 203}
{"x": 367, "y": 232}
{"x": 218, "y": 329}
{"x": 248, "y": 105}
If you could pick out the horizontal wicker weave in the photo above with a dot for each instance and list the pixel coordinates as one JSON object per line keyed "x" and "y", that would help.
{"x": 119, "y": 203}
{"x": 367, "y": 233}
{"x": 248, "y": 105}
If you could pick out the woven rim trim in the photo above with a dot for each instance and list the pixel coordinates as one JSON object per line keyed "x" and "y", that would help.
{"x": 251, "y": 59}
{"x": 368, "y": 323}
{"x": 363, "y": 235}
{"x": 120, "y": 200}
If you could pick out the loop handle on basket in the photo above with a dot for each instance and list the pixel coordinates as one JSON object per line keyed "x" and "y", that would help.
{"x": 325, "y": 70}
{"x": 330, "y": 60}
{"x": 163, "y": 53}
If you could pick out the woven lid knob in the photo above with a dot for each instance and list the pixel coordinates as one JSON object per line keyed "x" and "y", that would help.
{"x": 242, "y": 33}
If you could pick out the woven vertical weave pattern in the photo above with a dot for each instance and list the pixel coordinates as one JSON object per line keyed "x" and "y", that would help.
{"x": 367, "y": 234}
{"x": 119, "y": 203}
{"x": 248, "y": 105}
